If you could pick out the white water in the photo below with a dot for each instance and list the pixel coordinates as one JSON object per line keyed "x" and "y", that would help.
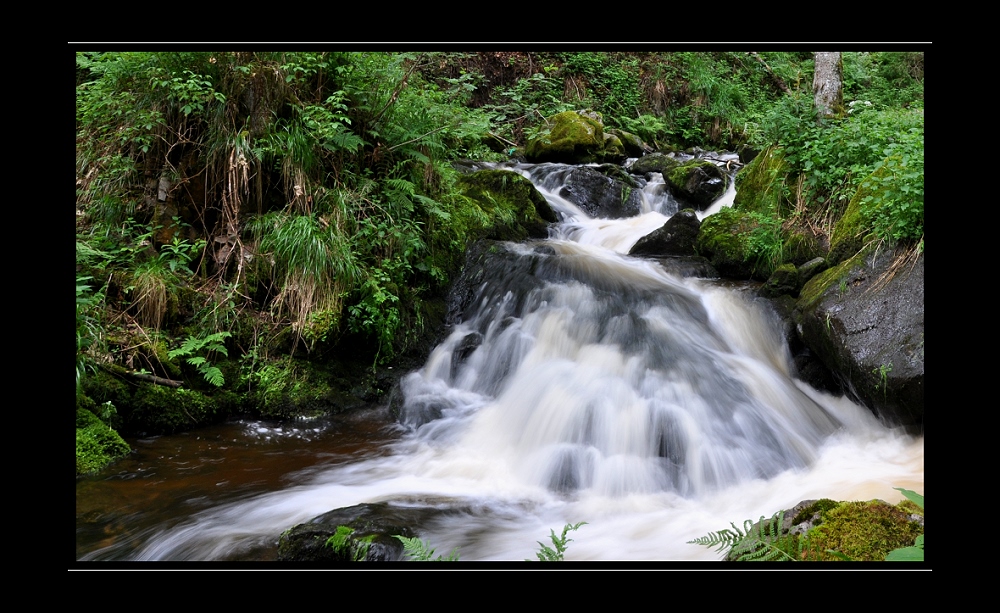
{"x": 654, "y": 408}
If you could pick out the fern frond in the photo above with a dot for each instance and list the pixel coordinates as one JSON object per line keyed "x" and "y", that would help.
{"x": 214, "y": 376}
{"x": 760, "y": 542}
{"x": 416, "y": 550}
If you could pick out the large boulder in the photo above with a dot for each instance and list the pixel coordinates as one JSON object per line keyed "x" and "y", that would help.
{"x": 604, "y": 192}
{"x": 519, "y": 211}
{"x": 865, "y": 320}
{"x": 573, "y": 137}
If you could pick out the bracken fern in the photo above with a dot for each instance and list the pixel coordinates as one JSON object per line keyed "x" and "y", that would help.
{"x": 760, "y": 542}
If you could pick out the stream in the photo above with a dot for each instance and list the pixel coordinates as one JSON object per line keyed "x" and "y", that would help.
{"x": 580, "y": 385}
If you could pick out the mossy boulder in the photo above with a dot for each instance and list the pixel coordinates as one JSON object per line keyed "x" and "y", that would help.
{"x": 826, "y": 530}
{"x": 654, "y": 162}
{"x": 632, "y": 144}
{"x": 724, "y": 239}
{"x": 157, "y": 409}
{"x": 864, "y": 318}
{"x": 97, "y": 445}
{"x": 698, "y": 183}
{"x": 572, "y": 137}
{"x": 515, "y": 209}
{"x": 783, "y": 281}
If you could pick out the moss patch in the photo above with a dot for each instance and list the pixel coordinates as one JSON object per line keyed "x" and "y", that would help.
{"x": 760, "y": 186}
{"x": 863, "y": 531}
{"x": 97, "y": 445}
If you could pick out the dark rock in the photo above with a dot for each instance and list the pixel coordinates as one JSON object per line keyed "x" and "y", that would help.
{"x": 865, "y": 320}
{"x": 601, "y": 196}
{"x": 697, "y": 182}
{"x": 654, "y": 162}
{"x": 783, "y": 281}
{"x": 367, "y": 534}
{"x": 676, "y": 237}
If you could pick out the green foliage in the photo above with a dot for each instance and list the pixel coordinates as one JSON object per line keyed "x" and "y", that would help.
{"x": 915, "y": 553}
{"x": 880, "y": 151}
{"x": 882, "y": 372}
{"x": 559, "y": 544}
{"x": 760, "y": 542}
{"x": 894, "y": 203}
{"x": 614, "y": 82}
{"x": 346, "y": 544}
{"x": 415, "y": 550}
{"x": 213, "y": 343}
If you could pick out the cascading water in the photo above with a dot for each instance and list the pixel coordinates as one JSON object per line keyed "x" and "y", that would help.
{"x": 585, "y": 385}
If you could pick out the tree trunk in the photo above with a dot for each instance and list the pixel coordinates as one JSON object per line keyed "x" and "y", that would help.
{"x": 828, "y": 84}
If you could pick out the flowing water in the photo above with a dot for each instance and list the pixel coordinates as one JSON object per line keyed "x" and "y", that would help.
{"x": 581, "y": 385}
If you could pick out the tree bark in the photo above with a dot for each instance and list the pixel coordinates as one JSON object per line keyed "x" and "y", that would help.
{"x": 828, "y": 84}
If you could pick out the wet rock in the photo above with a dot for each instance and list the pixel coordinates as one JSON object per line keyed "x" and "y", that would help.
{"x": 676, "y": 237}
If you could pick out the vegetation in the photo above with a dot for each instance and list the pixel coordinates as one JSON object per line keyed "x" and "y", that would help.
{"x": 242, "y": 215}
{"x": 851, "y": 531}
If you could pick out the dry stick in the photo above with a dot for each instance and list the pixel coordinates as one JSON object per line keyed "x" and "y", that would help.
{"x": 502, "y": 139}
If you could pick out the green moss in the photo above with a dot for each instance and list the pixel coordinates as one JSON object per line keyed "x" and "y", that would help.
{"x": 161, "y": 410}
{"x": 570, "y": 137}
{"x": 863, "y": 531}
{"x": 760, "y": 186}
{"x": 97, "y": 445}
{"x": 821, "y": 507}
{"x": 741, "y": 245}
{"x": 287, "y": 387}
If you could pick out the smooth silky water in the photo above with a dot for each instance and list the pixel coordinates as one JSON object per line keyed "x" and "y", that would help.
{"x": 582, "y": 385}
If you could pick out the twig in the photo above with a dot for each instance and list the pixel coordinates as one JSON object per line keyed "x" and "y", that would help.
{"x": 502, "y": 139}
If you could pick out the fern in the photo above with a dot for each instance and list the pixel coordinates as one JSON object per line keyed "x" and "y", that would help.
{"x": 548, "y": 554}
{"x": 416, "y": 550}
{"x": 760, "y": 542}
{"x": 208, "y": 344}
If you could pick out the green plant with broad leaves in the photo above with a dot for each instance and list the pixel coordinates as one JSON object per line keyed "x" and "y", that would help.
{"x": 213, "y": 343}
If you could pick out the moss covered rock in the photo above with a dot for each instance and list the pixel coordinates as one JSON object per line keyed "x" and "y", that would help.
{"x": 571, "y": 137}
{"x": 515, "y": 209}
{"x": 156, "y": 409}
{"x": 97, "y": 445}
{"x": 697, "y": 182}
{"x": 725, "y": 240}
{"x": 654, "y": 162}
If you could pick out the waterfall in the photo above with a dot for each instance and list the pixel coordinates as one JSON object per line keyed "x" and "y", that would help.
{"x": 581, "y": 384}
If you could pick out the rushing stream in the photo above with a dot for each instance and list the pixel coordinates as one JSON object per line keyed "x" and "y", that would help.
{"x": 580, "y": 385}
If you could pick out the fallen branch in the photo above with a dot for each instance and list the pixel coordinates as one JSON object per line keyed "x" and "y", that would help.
{"x": 154, "y": 379}
{"x": 500, "y": 138}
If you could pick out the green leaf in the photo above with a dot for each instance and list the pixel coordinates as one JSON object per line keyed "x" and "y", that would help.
{"x": 906, "y": 554}
{"x": 914, "y": 497}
